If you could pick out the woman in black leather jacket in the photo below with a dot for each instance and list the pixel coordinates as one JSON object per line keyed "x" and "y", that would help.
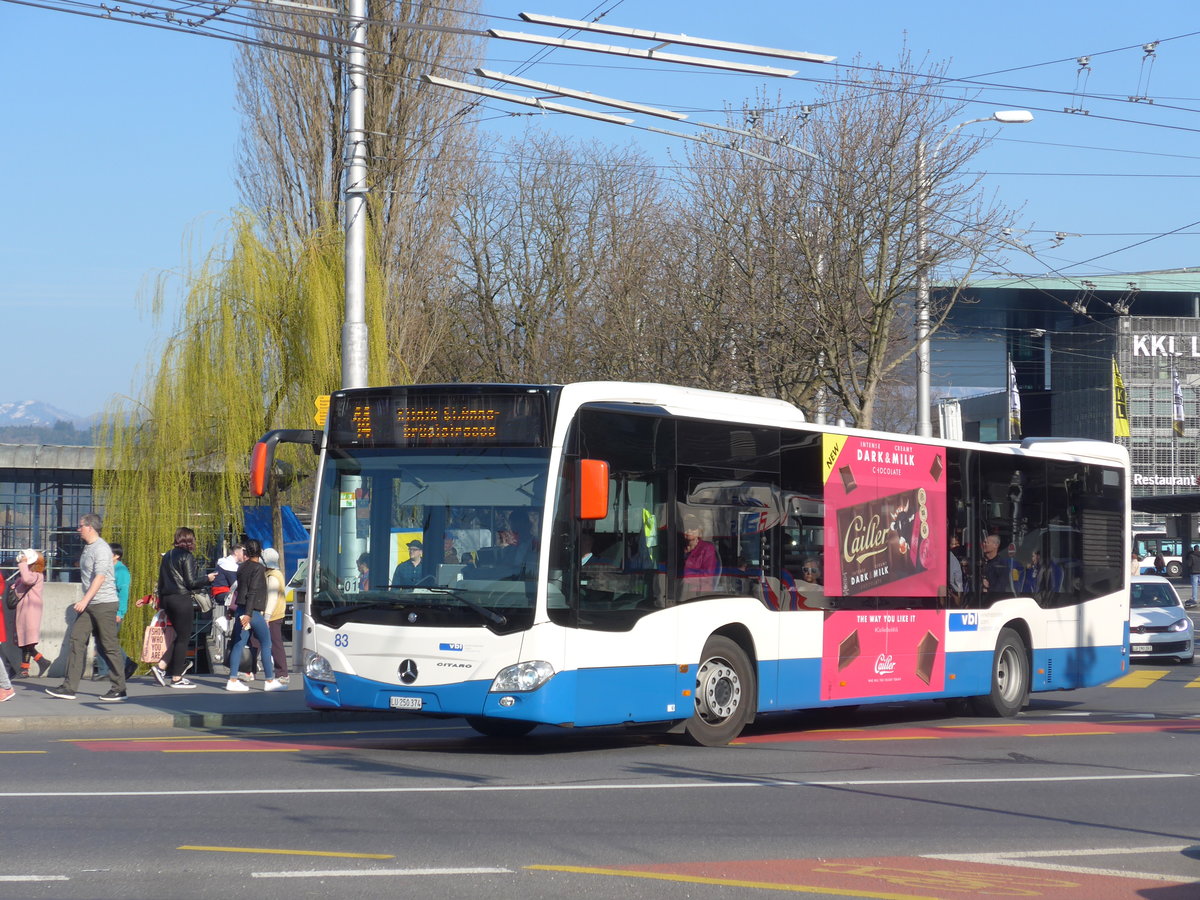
{"x": 178, "y": 576}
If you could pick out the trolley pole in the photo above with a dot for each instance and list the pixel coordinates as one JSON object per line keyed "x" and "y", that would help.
{"x": 354, "y": 327}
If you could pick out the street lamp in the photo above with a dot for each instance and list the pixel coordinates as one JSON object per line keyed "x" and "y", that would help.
{"x": 1004, "y": 117}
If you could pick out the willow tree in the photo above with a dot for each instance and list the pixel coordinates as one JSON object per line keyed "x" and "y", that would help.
{"x": 256, "y": 341}
{"x": 291, "y": 88}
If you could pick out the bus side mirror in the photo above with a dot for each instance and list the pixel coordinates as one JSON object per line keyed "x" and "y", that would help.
{"x": 593, "y": 489}
{"x": 260, "y": 466}
{"x": 262, "y": 459}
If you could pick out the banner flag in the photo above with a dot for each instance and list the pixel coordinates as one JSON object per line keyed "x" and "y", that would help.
{"x": 1120, "y": 404}
{"x": 1177, "y": 406}
{"x": 1014, "y": 404}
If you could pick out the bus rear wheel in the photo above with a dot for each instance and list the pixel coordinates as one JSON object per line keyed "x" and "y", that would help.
{"x": 500, "y": 728}
{"x": 1010, "y": 678}
{"x": 725, "y": 693}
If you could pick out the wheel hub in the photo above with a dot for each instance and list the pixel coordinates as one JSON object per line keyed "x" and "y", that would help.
{"x": 718, "y": 690}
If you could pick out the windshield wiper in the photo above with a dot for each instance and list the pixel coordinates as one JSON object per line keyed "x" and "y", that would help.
{"x": 490, "y": 615}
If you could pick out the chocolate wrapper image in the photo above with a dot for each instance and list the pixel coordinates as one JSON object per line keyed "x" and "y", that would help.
{"x": 927, "y": 651}
{"x": 848, "y": 650}
{"x": 875, "y": 539}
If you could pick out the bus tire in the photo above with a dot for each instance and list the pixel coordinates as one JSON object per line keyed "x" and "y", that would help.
{"x": 1010, "y": 678}
{"x": 725, "y": 693}
{"x": 500, "y": 728}
{"x": 1174, "y": 569}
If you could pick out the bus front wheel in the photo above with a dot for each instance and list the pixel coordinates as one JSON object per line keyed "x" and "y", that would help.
{"x": 1010, "y": 678}
{"x": 724, "y": 693}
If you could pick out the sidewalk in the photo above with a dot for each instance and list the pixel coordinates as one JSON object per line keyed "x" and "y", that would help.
{"x": 150, "y": 706}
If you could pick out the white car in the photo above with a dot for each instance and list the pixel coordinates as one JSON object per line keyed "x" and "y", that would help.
{"x": 1158, "y": 623}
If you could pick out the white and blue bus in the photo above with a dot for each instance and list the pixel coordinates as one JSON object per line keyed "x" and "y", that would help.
{"x": 608, "y": 553}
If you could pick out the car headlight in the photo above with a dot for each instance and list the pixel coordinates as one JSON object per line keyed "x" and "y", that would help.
{"x": 1181, "y": 625}
{"x": 317, "y": 667}
{"x": 526, "y": 676}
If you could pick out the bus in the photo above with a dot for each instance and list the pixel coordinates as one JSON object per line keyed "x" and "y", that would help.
{"x": 601, "y": 553}
{"x": 1148, "y": 545}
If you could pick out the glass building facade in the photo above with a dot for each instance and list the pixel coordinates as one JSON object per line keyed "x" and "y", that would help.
{"x": 1063, "y": 337}
{"x": 44, "y": 489}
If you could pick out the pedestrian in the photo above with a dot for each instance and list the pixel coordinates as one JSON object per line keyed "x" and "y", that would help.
{"x": 1193, "y": 564}
{"x": 252, "y": 603}
{"x": 276, "y": 610}
{"x": 1160, "y": 564}
{"x": 97, "y": 614}
{"x": 178, "y": 576}
{"x": 224, "y": 595}
{"x": 123, "y": 579}
{"x": 6, "y": 688}
{"x": 28, "y": 582}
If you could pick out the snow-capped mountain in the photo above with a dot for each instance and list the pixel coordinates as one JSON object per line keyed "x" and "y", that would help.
{"x": 34, "y": 412}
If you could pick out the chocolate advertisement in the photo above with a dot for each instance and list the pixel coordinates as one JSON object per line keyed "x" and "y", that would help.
{"x": 885, "y": 518}
{"x": 882, "y": 653}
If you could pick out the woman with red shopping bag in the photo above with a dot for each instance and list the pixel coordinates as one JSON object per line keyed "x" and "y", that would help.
{"x": 178, "y": 576}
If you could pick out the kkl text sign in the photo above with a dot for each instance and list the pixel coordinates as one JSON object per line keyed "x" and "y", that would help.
{"x": 1166, "y": 345}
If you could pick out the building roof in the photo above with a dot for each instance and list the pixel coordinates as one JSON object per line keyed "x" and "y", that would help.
{"x": 1162, "y": 280}
{"x": 47, "y": 456}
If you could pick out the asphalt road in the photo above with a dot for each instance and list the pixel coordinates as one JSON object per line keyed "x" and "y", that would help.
{"x": 1089, "y": 794}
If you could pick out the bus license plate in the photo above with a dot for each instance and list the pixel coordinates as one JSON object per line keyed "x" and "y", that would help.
{"x": 1135, "y": 648}
{"x": 405, "y": 702}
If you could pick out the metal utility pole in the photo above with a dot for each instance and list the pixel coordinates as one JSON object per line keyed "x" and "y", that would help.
{"x": 1004, "y": 117}
{"x": 354, "y": 327}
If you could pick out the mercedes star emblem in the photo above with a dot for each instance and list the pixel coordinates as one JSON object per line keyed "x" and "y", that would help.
{"x": 408, "y": 671}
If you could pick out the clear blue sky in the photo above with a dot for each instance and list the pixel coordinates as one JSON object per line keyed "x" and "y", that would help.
{"x": 120, "y": 141}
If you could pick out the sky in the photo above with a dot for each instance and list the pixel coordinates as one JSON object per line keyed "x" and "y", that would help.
{"x": 120, "y": 150}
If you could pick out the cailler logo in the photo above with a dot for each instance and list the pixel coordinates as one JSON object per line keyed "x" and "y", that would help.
{"x": 884, "y": 664}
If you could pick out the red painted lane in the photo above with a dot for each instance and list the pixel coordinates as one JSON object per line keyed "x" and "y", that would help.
{"x": 917, "y": 877}
{"x": 1065, "y": 727}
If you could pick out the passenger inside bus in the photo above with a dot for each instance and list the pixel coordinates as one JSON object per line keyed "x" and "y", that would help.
{"x": 701, "y": 564}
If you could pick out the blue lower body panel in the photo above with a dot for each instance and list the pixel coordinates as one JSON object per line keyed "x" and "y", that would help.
{"x": 613, "y": 696}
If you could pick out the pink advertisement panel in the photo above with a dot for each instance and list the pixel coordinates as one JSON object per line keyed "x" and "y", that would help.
{"x": 885, "y": 518}
{"x": 882, "y": 652}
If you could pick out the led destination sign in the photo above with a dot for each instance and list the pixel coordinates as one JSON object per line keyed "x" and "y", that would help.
{"x": 408, "y": 417}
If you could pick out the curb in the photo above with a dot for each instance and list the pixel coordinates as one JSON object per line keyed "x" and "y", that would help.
{"x": 161, "y": 720}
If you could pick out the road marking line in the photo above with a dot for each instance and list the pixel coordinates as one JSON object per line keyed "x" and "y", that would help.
{"x": 1093, "y": 851}
{"x": 288, "y": 852}
{"x": 1142, "y": 678}
{"x": 1011, "y": 859}
{"x": 907, "y": 737}
{"x": 360, "y": 873}
{"x": 1068, "y": 734}
{"x": 236, "y": 750}
{"x": 18, "y": 752}
{"x": 34, "y": 878}
{"x": 729, "y": 882}
{"x": 1195, "y": 683}
{"x": 650, "y": 786}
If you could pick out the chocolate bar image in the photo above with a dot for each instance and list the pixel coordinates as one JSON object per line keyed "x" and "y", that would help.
{"x": 926, "y": 656}
{"x": 848, "y": 650}
{"x": 848, "y": 481}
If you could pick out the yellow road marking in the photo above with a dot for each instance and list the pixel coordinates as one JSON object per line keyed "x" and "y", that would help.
{"x": 730, "y": 882}
{"x": 288, "y": 852}
{"x": 1195, "y": 683}
{"x": 1139, "y": 679}
{"x": 12, "y": 752}
{"x": 911, "y": 737}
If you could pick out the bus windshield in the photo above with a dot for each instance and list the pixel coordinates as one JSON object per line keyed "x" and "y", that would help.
{"x": 429, "y": 537}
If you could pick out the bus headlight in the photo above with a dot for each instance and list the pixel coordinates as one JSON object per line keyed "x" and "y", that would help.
{"x": 317, "y": 667}
{"x": 526, "y": 676}
{"x": 1181, "y": 625}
